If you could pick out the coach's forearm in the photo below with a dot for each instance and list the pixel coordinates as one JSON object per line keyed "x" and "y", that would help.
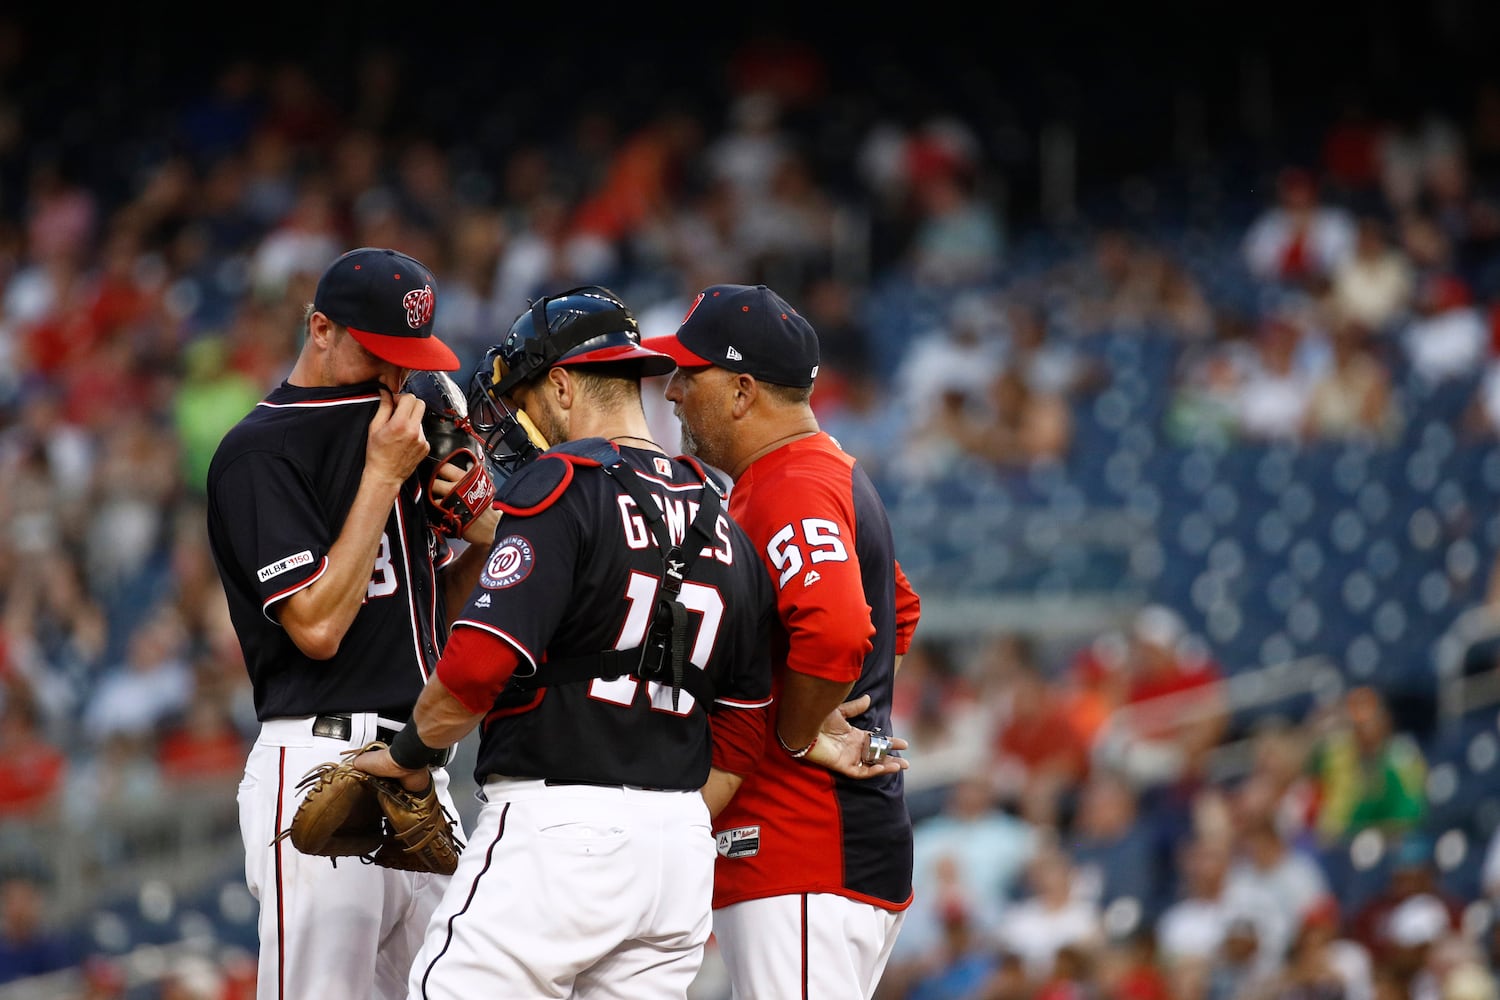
{"x": 318, "y": 616}
{"x": 804, "y": 703}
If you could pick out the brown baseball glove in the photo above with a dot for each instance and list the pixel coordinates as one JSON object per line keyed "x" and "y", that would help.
{"x": 349, "y": 813}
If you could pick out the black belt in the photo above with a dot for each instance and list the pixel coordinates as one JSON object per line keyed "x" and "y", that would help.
{"x": 340, "y": 726}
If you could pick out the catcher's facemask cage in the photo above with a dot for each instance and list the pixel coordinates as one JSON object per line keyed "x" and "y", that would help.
{"x": 446, "y": 423}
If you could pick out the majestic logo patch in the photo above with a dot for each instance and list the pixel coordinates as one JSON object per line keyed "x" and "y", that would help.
{"x": 734, "y": 355}
{"x": 483, "y": 601}
{"x": 509, "y": 564}
{"x": 811, "y": 578}
{"x": 663, "y": 467}
{"x": 741, "y": 842}
{"x": 280, "y": 566}
{"x": 419, "y": 307}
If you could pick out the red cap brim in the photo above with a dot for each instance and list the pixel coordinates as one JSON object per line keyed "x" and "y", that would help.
{"x": 650, "y": 362}
{"x": 674, "y": 349}
{"x": 426, "y": 354}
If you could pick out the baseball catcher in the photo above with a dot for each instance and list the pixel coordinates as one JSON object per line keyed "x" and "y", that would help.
{"x": 349, "y": 813}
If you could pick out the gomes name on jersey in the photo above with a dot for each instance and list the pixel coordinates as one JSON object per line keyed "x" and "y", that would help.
{"x": 678, "y": 514}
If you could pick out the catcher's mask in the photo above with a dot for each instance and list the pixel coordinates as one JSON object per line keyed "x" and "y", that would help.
{"x": 451, "y": 434}
{"x": 588, "y": 325}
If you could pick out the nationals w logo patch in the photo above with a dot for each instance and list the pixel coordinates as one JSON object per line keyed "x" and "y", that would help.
{"x": 509, "y": 563}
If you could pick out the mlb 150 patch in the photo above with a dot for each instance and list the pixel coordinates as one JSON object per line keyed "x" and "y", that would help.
{"x": 280, "y": 566}
{"x": 510, "y": 562}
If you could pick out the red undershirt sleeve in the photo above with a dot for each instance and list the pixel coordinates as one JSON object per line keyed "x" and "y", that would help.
{"x": 476, "y": 666}
{"x": 908, "y": 611}
{"x": 739, "y": 738}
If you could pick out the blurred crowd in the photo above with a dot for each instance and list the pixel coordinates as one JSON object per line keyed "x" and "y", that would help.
{"x": 145, "y": 308}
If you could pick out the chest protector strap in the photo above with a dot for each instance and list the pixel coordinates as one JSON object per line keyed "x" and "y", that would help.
{"x": 663, "y": 656}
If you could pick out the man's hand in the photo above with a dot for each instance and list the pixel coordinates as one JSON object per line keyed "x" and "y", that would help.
{"x": 396, "y": 444}
{"x": 480, "y": 531}
{"x": 841, "y": 747}
{"x": 378, "y": 762}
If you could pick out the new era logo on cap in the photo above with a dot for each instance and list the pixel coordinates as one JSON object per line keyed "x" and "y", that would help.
{"x": 387, "y": 302}
{"x": 752, "y": 329}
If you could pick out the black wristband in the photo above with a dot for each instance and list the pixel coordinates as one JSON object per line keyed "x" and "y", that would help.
{"x": 409, "y": 752}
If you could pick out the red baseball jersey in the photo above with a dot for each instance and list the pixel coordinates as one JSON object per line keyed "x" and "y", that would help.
{"x": 846, "y": 611}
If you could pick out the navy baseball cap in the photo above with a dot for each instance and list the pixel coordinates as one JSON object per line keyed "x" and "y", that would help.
{"x": 745, "y": 328}
{"x": 385, "y": 298}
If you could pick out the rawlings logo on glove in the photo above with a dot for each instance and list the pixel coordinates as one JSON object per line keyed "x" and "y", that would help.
{"x": 349, "y": 813}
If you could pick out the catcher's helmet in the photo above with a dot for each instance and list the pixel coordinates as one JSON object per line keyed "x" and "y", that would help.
{"x": 588, "y": 325}
{"x": 582, "y": 326}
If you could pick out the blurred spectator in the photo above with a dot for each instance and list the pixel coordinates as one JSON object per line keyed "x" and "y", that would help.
{"x": 1114, "y": 852}
{"x": 972, "y": 856}
{"x": 154, "y": 682}
{"x": 845, "y": 342}
{"x": 1309, "y": 973}
{"x": 964, "y": 963}
{"x": 746, "y": 155}
{"x": 29, "y": 945}
{"x": 1373, "y": 286}
{"x": 1413, "y": 877}
{"x": 1124, "y": 283}
{"x": 1039, "y": 757}
{"x": 961, "y": 357}
{"x": 1050, "y": 917}
{"x": 1298, "y": 241}
{"x": 1175, "y": 709}
{"x": 203, "y": 744}
{"x": 1203, "y": 405}
{"x": 789, "y": 235}
{"x": 1275, "y": 389}
{"x": 1321, "y": 932}
{"x": 1022, "y": 427}
{"x": 1447, "y": 338}
{"x": 865, "y": 421}
{"x": 948, "y": 724}
{"x": 193, "y": 977}
{"x": 1369, "y": 775}
{"x": 56, "y": 637}
{"x": 1296, "y": 882}
{"x": 210, "y": 400}
{"x": 958, "y": 237}
{"x": 32, "y": 782}
{"x": 1047, "y": 364}
{"x": 1279, "y": 784}
{"x": 1129, "y": 970}
{"x": 1192, "y": 929}
{"x": 138, "y": 475}
{"x": 1236, "y": 970}
{"x": 1352, "y": 400}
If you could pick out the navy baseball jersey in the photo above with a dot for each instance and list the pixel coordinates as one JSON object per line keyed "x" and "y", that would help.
{"x": 577, "y": 572}
{"x": 279, "y": 488}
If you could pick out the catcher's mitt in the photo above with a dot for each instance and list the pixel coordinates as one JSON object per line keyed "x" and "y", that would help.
{"x": 451, "y": 439}
{"x": 351, "y": 813}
